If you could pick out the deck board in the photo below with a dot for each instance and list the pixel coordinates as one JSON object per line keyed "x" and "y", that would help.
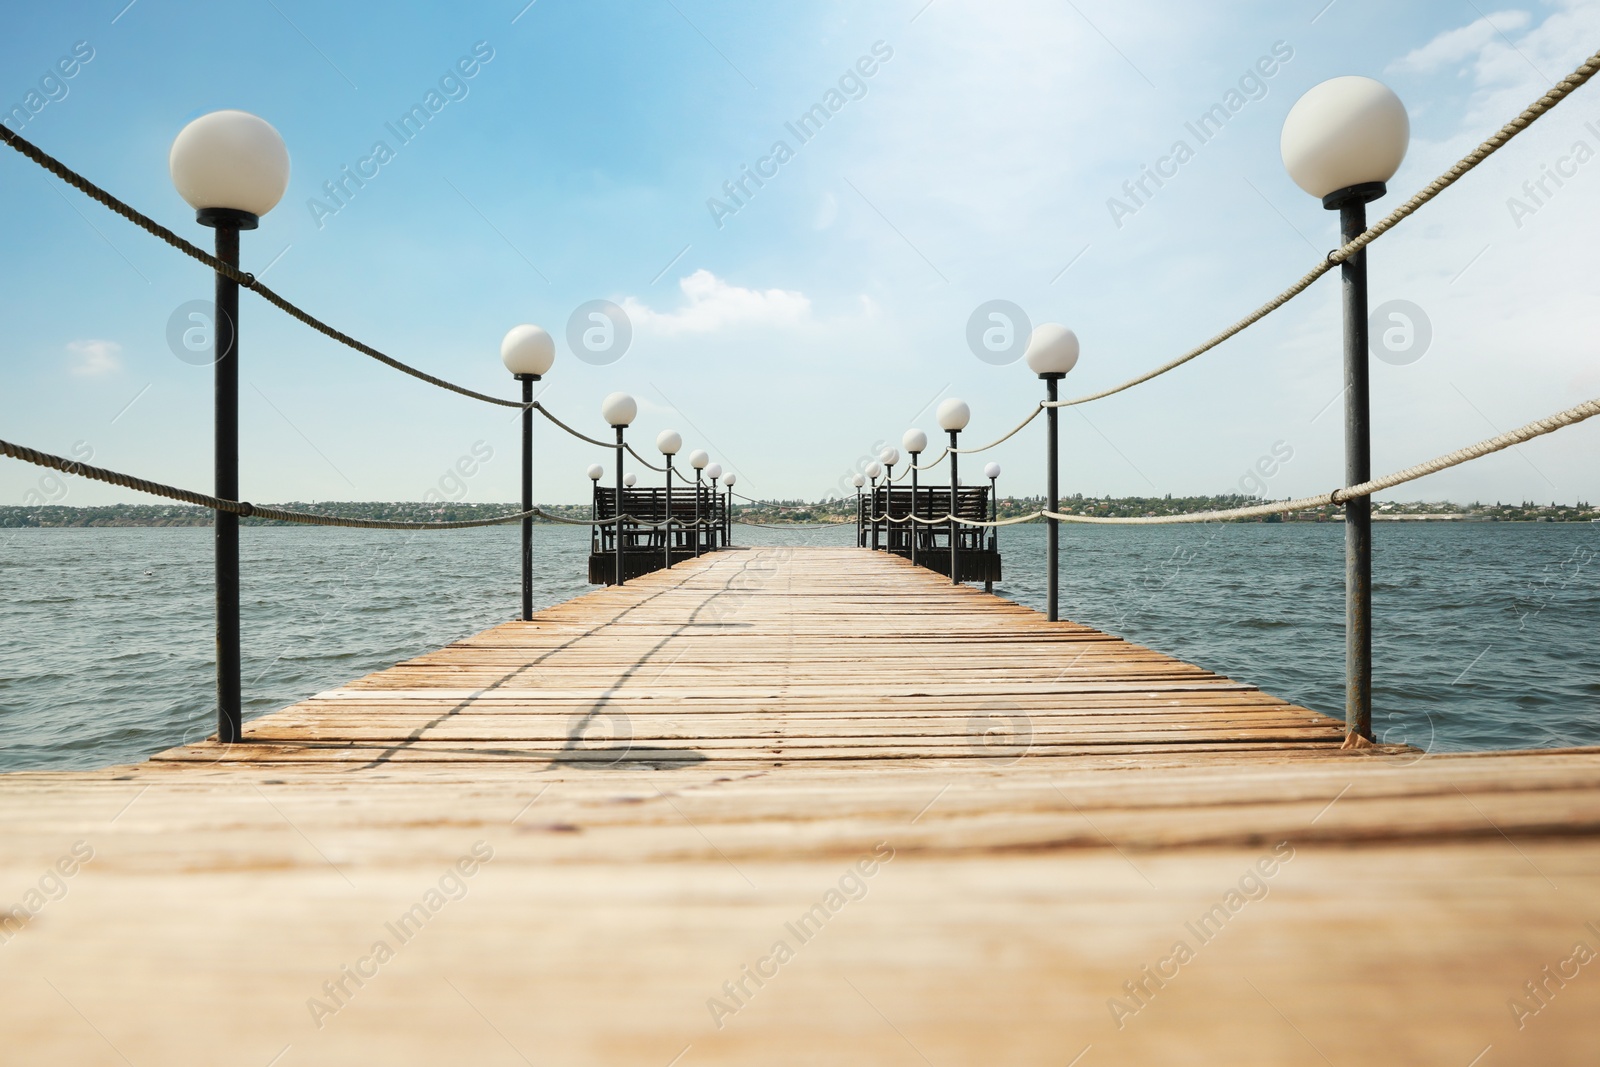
{"x": 669, "y": 774}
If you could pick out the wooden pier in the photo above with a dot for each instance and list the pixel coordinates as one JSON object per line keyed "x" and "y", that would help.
{"x": 801, "y": 806}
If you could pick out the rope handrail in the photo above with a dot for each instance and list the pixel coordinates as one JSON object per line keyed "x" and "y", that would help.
{"x": 1538, "y": 428}
{"x": 1013, "y": 432}
{"x": 1560, "y": 91}
{"x": 245, "y": 279}
{"x": 947, "y": 518}
{"x": 641, "y": 459}
{"x": 541, "y": 409}
{"x": 249, "y": 281}
{"x": 245, "y": 509}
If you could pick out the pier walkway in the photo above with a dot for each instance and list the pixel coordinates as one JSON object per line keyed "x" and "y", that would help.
{"x": 810, "y": 805}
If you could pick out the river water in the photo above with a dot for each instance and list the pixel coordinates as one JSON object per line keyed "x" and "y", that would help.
{"x": 1485, "y": 635}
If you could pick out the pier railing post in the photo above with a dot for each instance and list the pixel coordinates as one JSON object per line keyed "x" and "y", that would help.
{"x": 667, "y": 558}
{"x": 954, "y": 414}
{"x": 527, "y": 493}
{"x": 915, "y": 442}
{"x": 668, "y": 442}
{"x": 232, "y": 168}
{"x": 618, "y": 576}
{"x": 888, "y": 497}
{"x": 1053, "y": 497}
{"x": 1052, "y": 353}
{"x": 992, "y": 472}
{"x": 1341, "y": 142}
{"x": 1357, "y": 469}
{"x": 528, "y": 353}
{"x": 955, "y": 487}
{"x": 230, "y": 700}
{"x": 872, "y": 516}
{"x": 861, "y": 514}
{"x": 912, "y": 527}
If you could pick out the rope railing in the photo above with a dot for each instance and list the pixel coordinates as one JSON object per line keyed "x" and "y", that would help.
{"x": 249, "y": 281}
{"x": 1559, "y": 92}
{"x": 245, "y": 509}
{"x": 641, "y": 459}
{"x": 1538, "y": 428}
{"x": 1001, "y": 440}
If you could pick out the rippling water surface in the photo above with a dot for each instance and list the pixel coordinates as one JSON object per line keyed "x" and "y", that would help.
{"x": 1485, "y": 635}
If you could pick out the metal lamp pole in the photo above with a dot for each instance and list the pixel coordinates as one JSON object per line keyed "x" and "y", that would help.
{"x": 1052, "y": 352}
{"x": 1053, "y": 495}
{"x": 873, "y": 505}
{"x": 1351, "y": 204}
{"x": 1342, "y": 141}
{"x": 527, "y": 381}
{"x": 993, "y": 472}
{"x": 232, "y": 168}
{"x": 620, "y": 449}
{"x": 955, "y": 483}
{"x": 698, "y": 482}
{"x": 528, "y": 353}
{"x": 888, "y": 493}
{"x": 668, "y": 516}
{"x": 915, "y": 459}
{"x": 230, "y": 700}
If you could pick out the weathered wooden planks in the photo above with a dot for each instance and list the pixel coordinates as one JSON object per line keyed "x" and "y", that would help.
{"x": 669, "y": 775}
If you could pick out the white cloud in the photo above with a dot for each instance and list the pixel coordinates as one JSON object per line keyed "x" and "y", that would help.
{"x": 1455, "y": 46}
{"x": 714, "y": 305}
{"x": 92, "y": 358}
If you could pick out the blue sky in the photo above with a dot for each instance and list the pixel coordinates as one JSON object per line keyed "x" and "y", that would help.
{"x": 829, "y": 311}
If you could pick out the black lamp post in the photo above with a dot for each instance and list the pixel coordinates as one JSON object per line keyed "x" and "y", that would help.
{"x": 727, "y": 511}
{"x": 1052, "y": 352}
{"x": 859, "y": 481}
{"x": 953, "y": 418}
{"x": 1341, "y": 142}
{"x": 668, "y": 441}
{"x": 528, "y": 353}
{"x": 596, "y": 472}
{"x": 915, "y": 443}
{"x": 992, "y": 472}
{"x": 698, "y": 460}
{"x": 619, "y": 410}
{"x": 874, "y": 470}
{"x": 232, "y": 168}
{"x": 713, "y": 495}
{"x": 889, "y": 457}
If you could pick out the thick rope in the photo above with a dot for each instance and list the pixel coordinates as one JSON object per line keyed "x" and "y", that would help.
{"x": 249, "y": 281}
{"x": 1537, "y": 428}
{"x": 647, "y": 463}
{"x": 541, "y": 409}
{"x": 99, "y": 195}
{"x": 1529, "y": 115}
{"x": 242, "y": 508}
{"x": 245, "y": 509}
{"x": 1014, "y": 431}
